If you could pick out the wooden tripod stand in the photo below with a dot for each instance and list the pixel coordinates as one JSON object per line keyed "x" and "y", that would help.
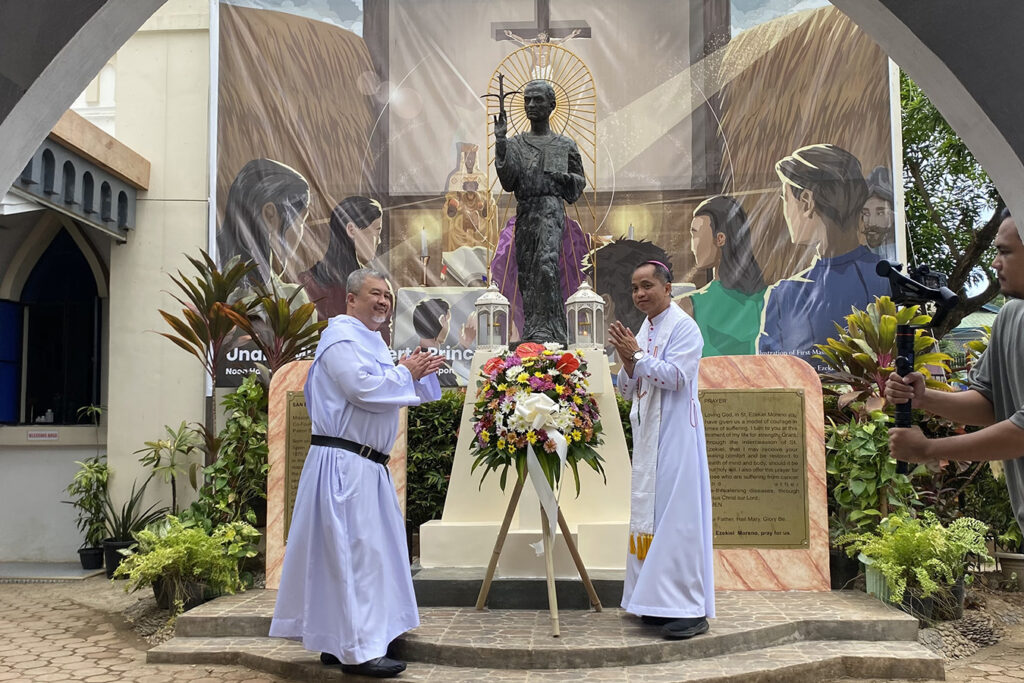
{"x": 549, "y": 547}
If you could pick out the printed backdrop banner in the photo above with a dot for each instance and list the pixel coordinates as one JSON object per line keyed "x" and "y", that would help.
{"x": 745, "y": 143}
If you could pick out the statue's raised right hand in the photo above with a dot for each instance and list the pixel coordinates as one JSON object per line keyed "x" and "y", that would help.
{"x": 500, "y": 126}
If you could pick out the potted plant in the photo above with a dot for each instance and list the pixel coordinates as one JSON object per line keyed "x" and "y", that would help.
{"x": 185, "y": 564}
{"x": 88, "y": 490}
{"x": 918, "y": 557}
{"x": 122, "y": 523}
{"x": 170, "y": 458}
{"x": 865, "y": 483}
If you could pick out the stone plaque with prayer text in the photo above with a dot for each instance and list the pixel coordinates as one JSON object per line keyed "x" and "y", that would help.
{"x": 298, "y": 429}
{"x": 758, "y": 466}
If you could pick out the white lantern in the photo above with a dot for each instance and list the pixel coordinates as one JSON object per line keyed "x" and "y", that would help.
{"x": 584, "y": 313}
{"x": 491, "y": 320}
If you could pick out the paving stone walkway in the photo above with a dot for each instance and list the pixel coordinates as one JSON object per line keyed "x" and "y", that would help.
{"x": 73, "y": 632}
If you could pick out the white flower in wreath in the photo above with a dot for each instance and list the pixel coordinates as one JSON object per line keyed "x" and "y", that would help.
{"x": 562, "y": 419}
{"x": 552, "y": 346}
{"x": 554, "y": 372}
{"x": 513, "y": 372}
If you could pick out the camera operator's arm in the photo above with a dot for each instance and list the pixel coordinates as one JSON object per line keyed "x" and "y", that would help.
{"x": 969, "y": 407}
{"x": 1002, "y": 441}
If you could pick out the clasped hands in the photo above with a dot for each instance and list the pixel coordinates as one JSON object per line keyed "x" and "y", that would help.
{"x": 421, "y": 363}
{"x": 625, "y": 345}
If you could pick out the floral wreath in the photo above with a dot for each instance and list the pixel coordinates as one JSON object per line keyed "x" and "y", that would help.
{"x": 534, "y": 401}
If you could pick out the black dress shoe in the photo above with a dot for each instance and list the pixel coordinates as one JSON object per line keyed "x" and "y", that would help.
{"x": 657, "y": 621}
{"x": 381, "y": 667}
{"x": 681, "y": 629}
{"x": 327, "y": 659}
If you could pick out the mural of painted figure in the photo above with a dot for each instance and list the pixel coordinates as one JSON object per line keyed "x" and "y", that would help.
{"x": 265, "y": 219}
{"x": 432, "y": 320}
{"x": 728, "y": 309}
{"x": 823, "y": 192}
{"x": 878, "y": 222}
{"x": 355, "y": 228}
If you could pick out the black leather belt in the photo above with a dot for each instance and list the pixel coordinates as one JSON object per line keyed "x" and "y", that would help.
{"x": 358, "y": 448}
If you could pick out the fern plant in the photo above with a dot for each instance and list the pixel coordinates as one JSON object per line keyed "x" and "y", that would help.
{"x": 919, "y": 554}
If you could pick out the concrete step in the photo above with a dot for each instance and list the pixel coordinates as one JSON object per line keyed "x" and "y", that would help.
{"x": 745, "y": 619}
{"x": 796, "y": 662}
{"x": 756, "y": 636}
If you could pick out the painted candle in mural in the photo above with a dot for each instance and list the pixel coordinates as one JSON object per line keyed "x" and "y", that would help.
{"x": 878, "y": 222}
{"x": 727, "y": 309}
{"x": 544, "y": 170}
{"x": 823, "y": 192}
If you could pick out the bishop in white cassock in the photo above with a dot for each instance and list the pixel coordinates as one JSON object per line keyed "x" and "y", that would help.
{"x": 669, "y": 566}
{"x": 346, "y": 588}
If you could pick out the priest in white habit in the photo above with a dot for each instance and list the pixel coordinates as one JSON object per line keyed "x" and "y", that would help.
{"x": 669, "y": 565}
{"x": 346, "y": 589}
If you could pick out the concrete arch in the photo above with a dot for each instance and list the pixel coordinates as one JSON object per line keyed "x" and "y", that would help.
{"x": 40, "y": 237}
{"x": 52, "y": 49}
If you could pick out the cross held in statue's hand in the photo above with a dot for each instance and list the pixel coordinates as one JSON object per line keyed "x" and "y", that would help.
{"x": 501, "y": 98}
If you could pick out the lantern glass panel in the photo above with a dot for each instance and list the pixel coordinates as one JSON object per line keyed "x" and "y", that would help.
{"x": 483, "y": 329}
{"x": 599, "y": 328}
{"x": 586, "y": 326}
{"x": 500, "y": 328}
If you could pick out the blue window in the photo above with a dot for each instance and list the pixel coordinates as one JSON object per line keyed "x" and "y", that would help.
{"x": 10, "y": 360}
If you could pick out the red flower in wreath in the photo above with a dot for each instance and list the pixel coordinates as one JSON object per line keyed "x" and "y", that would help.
{"x": 567, "y": 363}
{"x": 493, "y": 364}
{"x": 529, "y": 350}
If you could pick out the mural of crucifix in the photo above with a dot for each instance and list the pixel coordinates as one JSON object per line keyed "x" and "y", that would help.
{"x": 542, "y": 33}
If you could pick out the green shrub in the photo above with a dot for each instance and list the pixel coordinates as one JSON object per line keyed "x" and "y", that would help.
{"x": 178, "y": 554}
{"x": 627, "y": 426}
{"x": 238, "y": 477}
{"x": 431, "y": 442}
{"x": 122, "y": 524}
{"x": 862, "y": 476}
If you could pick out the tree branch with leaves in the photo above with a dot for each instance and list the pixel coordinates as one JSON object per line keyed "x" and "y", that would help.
{"x": 952, "y": 206}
